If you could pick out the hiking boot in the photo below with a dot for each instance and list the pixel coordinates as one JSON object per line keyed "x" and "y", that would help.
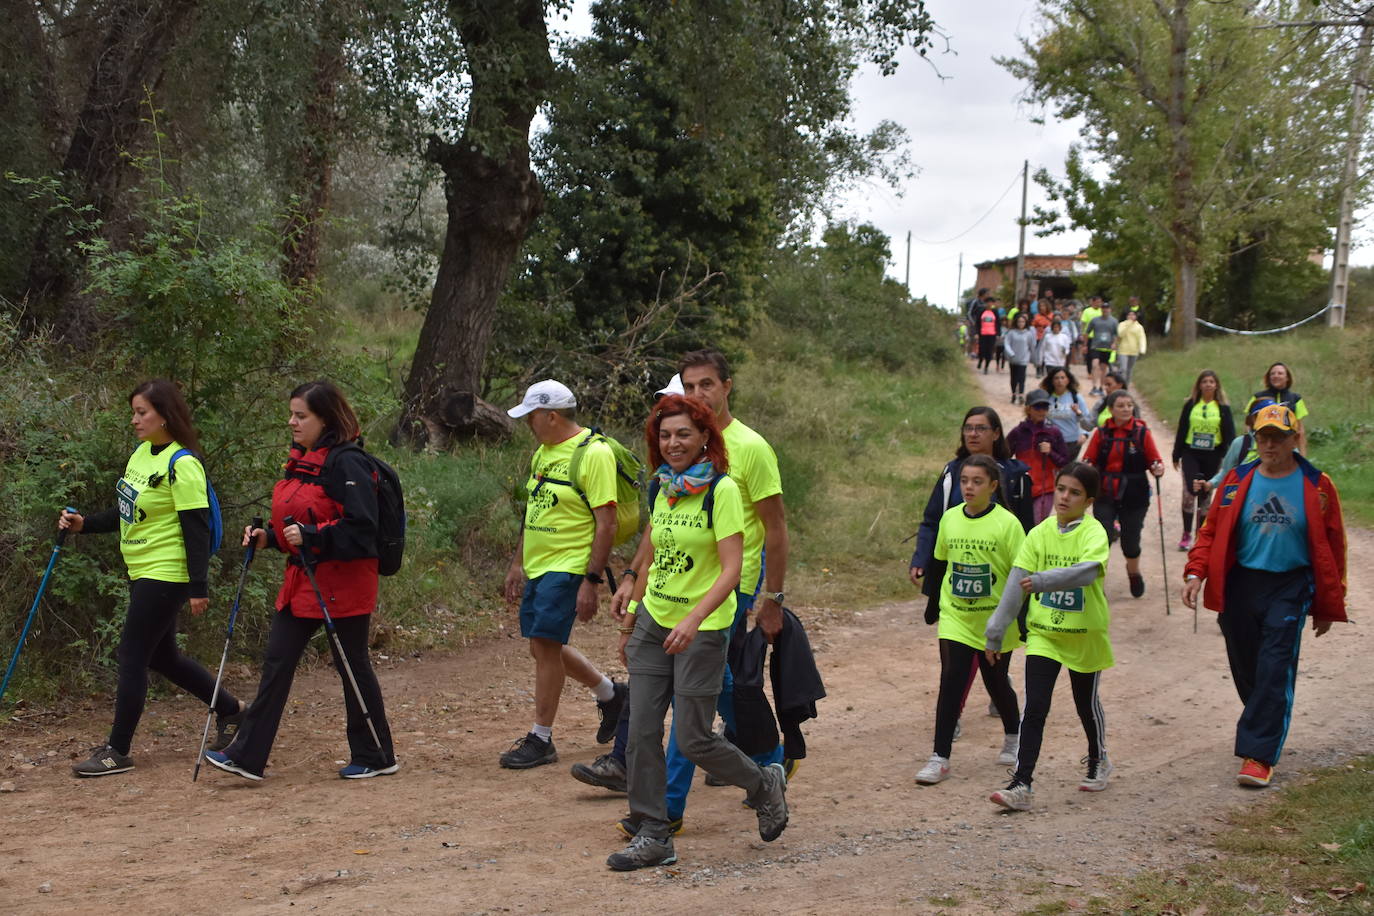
{"x": 790, "y": 766}
{"x": 935, "y": 770}
{"x": 529, "y": 751}
{"x": 770, "y": 802}
{"x": 221, "y": 761}
{"x": 643, "y": 852}
{"x": 1010, "y": 745}
{"x": 1185, "y": 542}
{"x": 610, "y": 712}
{"x": 1098, "y": 771}
{"x": 1017, "y": 796}
{"x": 227, "y": 729}
{"x": 106, "y": 761}
{"x": 1254, "y": 773}
{"x": 629, "y": 826}
{"x": 1137, "y": 585}
{"x": 604, "y": 772}
{"x": 362, "y": 771}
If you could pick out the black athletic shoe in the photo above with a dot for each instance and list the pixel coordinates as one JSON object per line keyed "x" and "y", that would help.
{"x": 610, "y": 713}
{"x": 629, "y": 826}
{"x": 1137, "y": 586}
{"x": 106, "y": 761}
{"x": 227, "y": 729}
{"x": 529, "y": 751}
{"x": 604, "y": 772}
{"x": 643, "y": 852}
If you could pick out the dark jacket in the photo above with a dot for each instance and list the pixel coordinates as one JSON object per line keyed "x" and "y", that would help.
{"x": 1183, "y": 435}
{"x": 796, "y": 684}
{"x": 331, "y": 493}
{"x": 1024, "y": 441}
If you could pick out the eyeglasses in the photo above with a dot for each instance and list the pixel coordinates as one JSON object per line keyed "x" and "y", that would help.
{"x": 977, "y": 429}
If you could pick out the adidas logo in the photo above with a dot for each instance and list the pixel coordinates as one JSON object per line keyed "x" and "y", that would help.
{"x": 1272, "y": 512}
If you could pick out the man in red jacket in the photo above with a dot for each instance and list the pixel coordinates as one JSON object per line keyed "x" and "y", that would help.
{"x": 1271, "y": 553}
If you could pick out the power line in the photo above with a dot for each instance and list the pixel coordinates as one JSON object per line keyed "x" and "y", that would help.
{"x": 1015, "y": 178}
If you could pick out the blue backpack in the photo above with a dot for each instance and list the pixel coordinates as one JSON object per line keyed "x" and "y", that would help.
{"x": 216, "y": 521}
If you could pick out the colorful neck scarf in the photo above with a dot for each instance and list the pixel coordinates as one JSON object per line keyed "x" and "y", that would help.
{"x": 678, "y": 485}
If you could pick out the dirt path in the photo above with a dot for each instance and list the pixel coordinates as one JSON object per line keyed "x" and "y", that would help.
{"x": 455, "y": 834}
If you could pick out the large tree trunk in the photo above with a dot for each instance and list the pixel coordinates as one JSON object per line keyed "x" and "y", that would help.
{"x": 314, "y": 156}
{"x": 1183, "y": 198}
{"x": 128, "y": 67}
{"x": 493, "y": 197}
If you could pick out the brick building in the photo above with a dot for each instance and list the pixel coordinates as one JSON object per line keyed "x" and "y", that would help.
{"x": 1059, "y": 273}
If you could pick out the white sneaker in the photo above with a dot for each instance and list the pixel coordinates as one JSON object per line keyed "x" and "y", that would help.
{"x": 1010, "y": 745}
{"x": 935, "y": 770}
{"x": 1017, "y": 797}
{"x": 1096, "y": 778}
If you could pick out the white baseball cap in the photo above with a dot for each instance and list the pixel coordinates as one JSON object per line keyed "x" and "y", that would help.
{"x": 674, "y": 386}
{"x": 547, "y": 394}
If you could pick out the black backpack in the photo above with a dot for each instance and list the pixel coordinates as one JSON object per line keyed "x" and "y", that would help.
{"x": 391, "y": 514}
{"x": 709, "y": 503}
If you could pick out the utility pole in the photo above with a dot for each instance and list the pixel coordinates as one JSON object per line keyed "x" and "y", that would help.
{"x": 959, "y": 287}
{"x": 907, "y": 281}
{"x": 1021, "y": 245}
{"x": 1340, "y": 262}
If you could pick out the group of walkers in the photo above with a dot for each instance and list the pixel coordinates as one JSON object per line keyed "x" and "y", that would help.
{"x": 1012, "y": 550}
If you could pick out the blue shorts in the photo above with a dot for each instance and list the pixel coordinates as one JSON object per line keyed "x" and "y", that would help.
{"x": 549, "y": 606}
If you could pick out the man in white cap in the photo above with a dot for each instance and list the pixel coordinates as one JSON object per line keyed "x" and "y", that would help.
{"x": 557, "y": 567}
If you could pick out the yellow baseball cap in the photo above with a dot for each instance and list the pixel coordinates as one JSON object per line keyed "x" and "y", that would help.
{"x": 1276, "y": 416}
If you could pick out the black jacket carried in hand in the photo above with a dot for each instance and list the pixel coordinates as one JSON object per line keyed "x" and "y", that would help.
{"x": 796, "y": 683}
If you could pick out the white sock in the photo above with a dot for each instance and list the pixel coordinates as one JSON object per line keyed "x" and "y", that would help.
{"x": 544, "y": 732}
{"x": 605, "y": 690}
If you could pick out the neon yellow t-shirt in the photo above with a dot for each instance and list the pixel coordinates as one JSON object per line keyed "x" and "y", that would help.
{"x": 754, "y": 468}
{"x": 980, "y": 552}
{"x": 1086, "y": 316}
{"x": 559, "y": 525}
{"x": 149, "y": 529}
{"x": 1069, "y": 626}
{"x": 686, "y": 563}
{"x": 1204, "y": 426}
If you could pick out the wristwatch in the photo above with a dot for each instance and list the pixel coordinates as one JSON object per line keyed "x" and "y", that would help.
{"x": 593, "y": 578}
{"x": 776, "y": 597}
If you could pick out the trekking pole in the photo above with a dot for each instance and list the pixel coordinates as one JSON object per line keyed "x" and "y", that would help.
{"x": 308, "y": 564}
{"x": 1163, "y": 553}
{"x": 33, "y": 611}
{"x": 233, "y": 616}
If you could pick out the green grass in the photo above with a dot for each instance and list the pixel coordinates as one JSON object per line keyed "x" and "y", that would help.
{"x": 1309, "y": 849}
{"x": 1333, "y": 372}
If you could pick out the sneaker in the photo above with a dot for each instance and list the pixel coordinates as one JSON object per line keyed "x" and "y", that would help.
{"x": 1017, "y": 796}
{"x": 1185, "y": 542}
{"x": 629, "y": 826}
{"x": 1010, "y": 745}
{"x": 359, "y": 771}
{"x": 1254, "y": 773}
{"x": 770, "y": 802}
{"x": 935, "y": 770}
{"x": 604, "y": 772}
{"x": 610, "y": 712}
{"x": 1137, "y": 586}
{"x": 790, "y": 766}
{"x": 106, "y": 761}
{"x": 221, "y": 761}
{"x": 227, "y": 728}
{"x": 529, "y": 751}
{"x": 643, "y": 852}
{"x": 1096, "y": 778}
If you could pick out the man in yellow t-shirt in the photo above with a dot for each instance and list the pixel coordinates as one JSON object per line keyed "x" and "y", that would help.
{"x": 568, "y": 530}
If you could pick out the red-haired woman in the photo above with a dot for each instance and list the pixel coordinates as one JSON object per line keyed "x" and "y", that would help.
{"x": 675, "y": 644}
{"x": 330, "y": 492}
{"x": 163, "y": 520}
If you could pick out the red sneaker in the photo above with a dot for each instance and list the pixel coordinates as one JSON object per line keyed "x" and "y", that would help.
{"x": 1254, "y": 773}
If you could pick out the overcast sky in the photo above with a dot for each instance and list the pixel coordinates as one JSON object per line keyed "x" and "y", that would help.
{"x": 968, "y": 135}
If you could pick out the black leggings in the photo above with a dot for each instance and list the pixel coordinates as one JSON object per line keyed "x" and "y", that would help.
{"x": 285, "y": 644}
{"x": 956, "y": 661}
{"x": 985, "y": 347}
{"x": 1018, "y": 378}
{"x": 1132, "y": 520}
{"x": 1041, "y": 673}
{"x": 1197, "y": 465}
{"x": 149, "y": 641}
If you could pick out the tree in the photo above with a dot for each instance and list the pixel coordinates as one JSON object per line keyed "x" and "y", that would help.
{"x": 1214, "y": 131}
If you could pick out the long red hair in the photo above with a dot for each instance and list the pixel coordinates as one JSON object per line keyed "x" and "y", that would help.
{"x": 702, "y": 417}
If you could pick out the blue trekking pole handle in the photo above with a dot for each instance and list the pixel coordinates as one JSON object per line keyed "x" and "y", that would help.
{"x": 33, "y": 610}
{"x": 247, "y": 561}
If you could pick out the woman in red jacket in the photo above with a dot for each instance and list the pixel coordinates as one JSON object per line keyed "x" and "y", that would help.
{"x": 329, "y": 489}
{"x": 1122, "y": 450}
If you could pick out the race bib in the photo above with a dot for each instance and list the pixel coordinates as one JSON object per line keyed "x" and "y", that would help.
{"x": 1069, "y": 600}
{"x": 1204, "y": 441}
{"x": 971, "y": 581}
{"x": 126, "y": 496}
